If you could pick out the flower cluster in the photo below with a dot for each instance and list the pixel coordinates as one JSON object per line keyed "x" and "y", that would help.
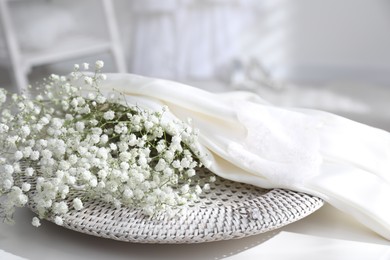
{"x": 62, "y": 141}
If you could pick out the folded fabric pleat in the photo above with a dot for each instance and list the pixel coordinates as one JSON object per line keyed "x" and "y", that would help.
{"x": 249, "y": 140}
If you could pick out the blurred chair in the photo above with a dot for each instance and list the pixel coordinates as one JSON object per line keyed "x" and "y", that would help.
{"x": 23, "y": 61}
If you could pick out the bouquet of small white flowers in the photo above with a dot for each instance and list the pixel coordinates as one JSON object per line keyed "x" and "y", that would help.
{"x": 62, "y": 141}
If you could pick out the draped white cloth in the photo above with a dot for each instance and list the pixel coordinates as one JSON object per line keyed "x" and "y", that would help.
{"x": 248, "y": 140}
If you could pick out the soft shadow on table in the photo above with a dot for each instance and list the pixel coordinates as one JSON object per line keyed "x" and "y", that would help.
{"x": 50, "y": 240}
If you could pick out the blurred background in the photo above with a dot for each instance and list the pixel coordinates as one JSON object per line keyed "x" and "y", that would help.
{"x": 331, "y": 55}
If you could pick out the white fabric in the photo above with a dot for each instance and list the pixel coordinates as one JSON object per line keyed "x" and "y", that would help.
{"x": 344, "y": 162}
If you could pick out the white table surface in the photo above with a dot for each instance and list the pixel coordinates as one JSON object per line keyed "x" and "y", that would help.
{"x": 54, "y": 242}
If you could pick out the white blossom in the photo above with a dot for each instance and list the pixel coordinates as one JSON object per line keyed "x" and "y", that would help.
{"x": 80, "y": 126}
{"x": 34, "y": 155}
{"x": 36, "y": 222}
{"x": 161, "y": 165}
{"x": 7, "y": 184}
{"x": 26, "y": 186}
{"x": 99, "y": 64}
{"x": 77, "y": 204}
{"x": 184, "y": 189}
{"x": 8, "y": 169}
{"x": 198, "y": 189}
{"x": 103, "y": 139}
{"x": 102, "y": 76}
{"x": 109, "y": 115}
{"x": 58, "y": 220}
{"x": 191, "y": 173}
{"x": 29, "y": 171}
{"x": 60, "y": 208}
{"x": 88, "y": 80}
{"x": 101, "y": 99}
{"x": 18, "y": 155}
{"x": 3, "y": 128}
{"x": 3, "y": 96}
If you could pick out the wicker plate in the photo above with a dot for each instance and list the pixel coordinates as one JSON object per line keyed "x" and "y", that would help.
{"x": 228, "y": 210}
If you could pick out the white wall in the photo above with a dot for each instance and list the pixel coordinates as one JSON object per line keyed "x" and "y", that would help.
{"x": 317, "y": 40}
{"x": 297, "y": 40}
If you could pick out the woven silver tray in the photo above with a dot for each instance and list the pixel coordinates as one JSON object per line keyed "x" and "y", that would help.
{"x": 229, "y": 210}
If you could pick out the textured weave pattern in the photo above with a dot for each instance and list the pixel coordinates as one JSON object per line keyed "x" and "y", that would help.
{"x": 228, "y": 210}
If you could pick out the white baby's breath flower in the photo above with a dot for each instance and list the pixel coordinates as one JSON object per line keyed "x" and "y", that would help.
{"x": 80, "y": 126}
{"x": 60, "y": 208}
{"x": 11, "y": 140}
{"x": 99, "y": 64}
{"x": 36, "y": 222}
{"x": 109, "y": 115}
{"x": 128, "y": 193}
{"x": 168, "y": 172}
{"x": 85, "y": 66}
{"x": 93, "y": 182}
{"x": 18, "y": 155}
{"x": 185, "y": 163}
{"x": 185, "y": 189}
{"x": 91, "y": 95}
{"x": 125, "y": 156}
{"x": 55, "y": 77}
{"x": 102, "y": 174}
{"x": 102, "y": 76}
{"x": 142, "y": 161}
{"x": 44, "y": 120}
{"x": 161, "y": 165}
{"x": 103, "y": 139}
{"x": 25, "y": 131}
{"x": 77, "y": 204}
{"x": 176, "y": 164}
{"x": 95, "y": 139}
{"x": 26, "y": 187}
{"x": 190, "y": 173}
{"x": 74, "y": 103}
{"x": 8, "y": 169}
{"x": 47, "y": 154}
{"x": 7, "y": 184}
{"x": 58, "y": 220}
{"x": 124, "y": 165}
{"x": 198, "y": 189}
{"x": 94, "y": 122}
{"x": 34, "y": 155}
{"x": 3, "y": 160}
{"x": 3, "y": 128}
{"x": 29, "y": 172}
{"x": 88, "y": 80}
{"x": 148, "y": 125}
{"x": 113, "y": 147}
{"x": 101, "y": 99}
{"x": 3, "y": 96}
